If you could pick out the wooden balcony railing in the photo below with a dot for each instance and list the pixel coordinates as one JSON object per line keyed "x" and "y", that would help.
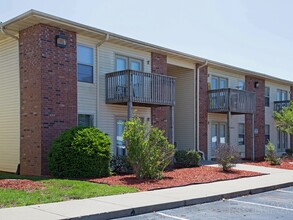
{"x": 279, "y": 105}
{"x": 139, "y": 87}
{"x": 233, "y": 100}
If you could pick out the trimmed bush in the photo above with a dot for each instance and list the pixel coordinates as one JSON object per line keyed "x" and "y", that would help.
{"x": 271, "y": 155}
{"x": 148, "y": 150}
{"x": 227, "y": 156}
{"x": 289, "y": 152}
{"x": 188, "y": 158}
{"x": 80, "y": 152}
{"x": 119, "y": 164}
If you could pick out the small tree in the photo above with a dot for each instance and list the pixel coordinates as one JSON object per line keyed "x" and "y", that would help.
{"x": 271, "y": 155}
{"x": 148, "y": 150}
{"x": 284, "y": 119}
{"x": 227, "y": 156}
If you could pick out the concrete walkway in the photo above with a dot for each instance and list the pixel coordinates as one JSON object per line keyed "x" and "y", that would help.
{"x": 110, "y": 207}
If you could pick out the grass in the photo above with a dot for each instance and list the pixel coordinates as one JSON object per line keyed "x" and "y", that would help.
{"x": 56, "y": 190}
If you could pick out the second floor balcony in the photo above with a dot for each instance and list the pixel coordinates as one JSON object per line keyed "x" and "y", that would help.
{"x": 231, "y": 100}
{"x": 279, "y": 105}
{"x": 145, "y": 89}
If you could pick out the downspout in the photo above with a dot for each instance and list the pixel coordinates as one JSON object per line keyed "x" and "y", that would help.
{"x": 2, "y": 29}
{"x": 107, "y": 37}
{"x": 197, "y": 107}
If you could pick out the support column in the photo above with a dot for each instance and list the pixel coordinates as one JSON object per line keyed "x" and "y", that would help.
{"x": 129, "y": 112}
{"x": 255, "y": 142}
{"x": 171, "y": 129}
{"x": 229, "y": 127}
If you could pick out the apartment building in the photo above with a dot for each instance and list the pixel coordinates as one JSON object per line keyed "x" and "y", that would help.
{"x": 56, "y": 74}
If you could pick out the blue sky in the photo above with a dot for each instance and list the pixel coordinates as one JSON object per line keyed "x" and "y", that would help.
{"x": 251, "y": 34}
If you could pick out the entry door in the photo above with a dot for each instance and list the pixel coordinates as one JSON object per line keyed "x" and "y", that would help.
{"x": 120, "y": 146}
{"x": 219, "y": 133}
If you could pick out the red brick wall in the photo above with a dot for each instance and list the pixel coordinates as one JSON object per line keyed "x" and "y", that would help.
{"x": 203, "y": 109}
{"x": 259, "y": 120}
{"x": 159, "y": 114}
{"x": 48, "y": 85}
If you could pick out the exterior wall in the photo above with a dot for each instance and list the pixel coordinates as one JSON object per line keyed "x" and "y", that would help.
{"x": 269, "y": 110}
{"x": 108, "y": 113}
{"x": 87, "y": 98}
{"x": 48, "y": 93}
{"x": 9, "y": 105}
{"x": 184, "y": 126}
{"x": 159, "y": 114}
{"x": 203, "y": 109}
{"x": 259, "y": 120}
{"x": 232, "y": 77}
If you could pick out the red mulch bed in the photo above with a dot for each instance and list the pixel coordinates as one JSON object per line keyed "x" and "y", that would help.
{"x": 286, "y": 164}
{"x": 21, "y": 184}
{"x": 177, "y": 177}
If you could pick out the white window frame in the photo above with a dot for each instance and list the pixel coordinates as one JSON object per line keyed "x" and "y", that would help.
{"x": 86, "y": 64}
{"x": 92, "y": 118}
{"x": 243, "y": 134}
{"x": 267, "y": 96}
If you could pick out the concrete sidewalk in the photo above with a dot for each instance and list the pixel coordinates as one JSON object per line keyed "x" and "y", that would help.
{"x": 110, "y": 207}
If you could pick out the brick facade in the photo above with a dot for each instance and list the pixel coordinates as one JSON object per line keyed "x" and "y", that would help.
{"x": 48, "y": 84}
{"x": 159, "y": 114}
{"x": 203, "y": 109}
{"x": 259, "y": 120}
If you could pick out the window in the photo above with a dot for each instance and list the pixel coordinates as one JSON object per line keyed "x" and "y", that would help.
{"x": 282, "y": 140}
{"x": 241, "y": 134}
{"x": 267, "y": 134}
{"x": 219, "y": 82}
{"x": 267, "y": 96}
{"x": 120, "y": 146}
{"x": 241, "y": 85}
{"x": 85, "y": 60}
{"x": 124, "y": 63}
{"x": 85, "y": 120}
{"x": 282, "y": 95}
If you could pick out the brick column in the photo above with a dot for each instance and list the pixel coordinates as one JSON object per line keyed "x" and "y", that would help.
{"x": 203, "y": 109}
{"x": 159, "y": 114}
{"x": 48, "y": 84}
{"x": 259, "y": 120}
{"x": 291, "y": 136}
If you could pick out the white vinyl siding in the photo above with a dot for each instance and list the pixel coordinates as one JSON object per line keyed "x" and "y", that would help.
{"x": 87, "y": 92}
{"x": 184, "y": 109}
{"x": 9, "y": 106}
{"x": 109, "y": 113}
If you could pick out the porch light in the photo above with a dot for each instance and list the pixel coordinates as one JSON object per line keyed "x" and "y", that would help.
{"x": 61, "y": 41}
{"x": 256, "y": 84}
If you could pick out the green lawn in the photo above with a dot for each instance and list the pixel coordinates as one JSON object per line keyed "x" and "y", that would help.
{"x": 56, "y": 190}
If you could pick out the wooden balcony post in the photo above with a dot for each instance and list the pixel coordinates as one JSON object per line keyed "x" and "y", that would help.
{"x": 171, "y": 129}
{"x": 130, "y": 93}
{"x": 229, "y": 127}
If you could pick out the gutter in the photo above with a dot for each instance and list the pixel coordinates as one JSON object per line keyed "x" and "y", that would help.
{"x": 2, "y": 29}
{"x": 197, "y": 107}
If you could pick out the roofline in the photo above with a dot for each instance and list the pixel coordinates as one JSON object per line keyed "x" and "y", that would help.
{"x": 196, "y": 59}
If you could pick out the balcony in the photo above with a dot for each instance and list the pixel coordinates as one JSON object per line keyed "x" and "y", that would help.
{"x": 231, "y": 100}
{"x": 144, "y": 89}
{"x": 279, "y": 105}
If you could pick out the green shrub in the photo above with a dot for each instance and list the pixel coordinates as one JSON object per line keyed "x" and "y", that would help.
{"x": 289, "y": 152}
{"x": 80, "y": 152}
{"x": 226, "y": 156}
{"x": 271, "y": 155}
{"x": 148, "y": 150}
{"x": 119, "y": 164}
{"x": 188, "y": 158}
